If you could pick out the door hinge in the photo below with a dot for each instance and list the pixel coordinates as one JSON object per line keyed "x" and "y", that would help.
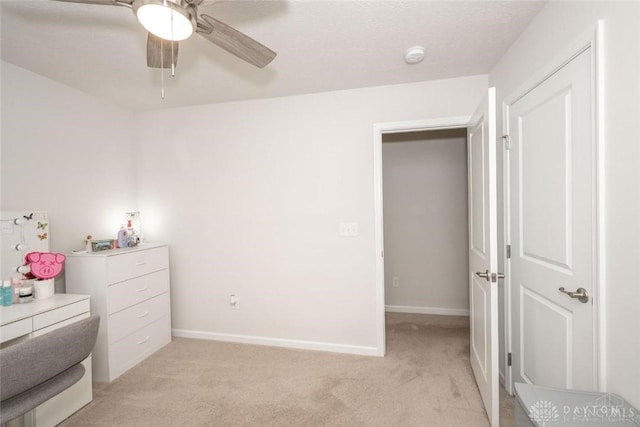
{"x": 508, "y": 251}
{"x": 507, "y": 141}
{"x": 509, "y": 359}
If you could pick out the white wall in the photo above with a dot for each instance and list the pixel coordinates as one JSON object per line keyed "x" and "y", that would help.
{"x": 425, "y": 221}
{"x": 557, "y": 25}
{"x": 250, "y": 195}
{"x": 67, "y": 153}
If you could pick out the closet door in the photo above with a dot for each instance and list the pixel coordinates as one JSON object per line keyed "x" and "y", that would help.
{"x": 483, "y": 253}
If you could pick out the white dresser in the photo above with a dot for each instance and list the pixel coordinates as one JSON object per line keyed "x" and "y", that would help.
{"x": 129, "y": 289}
{"x": 21, "y": 321}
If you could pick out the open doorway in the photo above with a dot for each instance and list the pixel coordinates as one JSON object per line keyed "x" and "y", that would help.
{"x": 425, "y": 222}
{"x": 481, "y": 220}
{"x": 380, "y": 131}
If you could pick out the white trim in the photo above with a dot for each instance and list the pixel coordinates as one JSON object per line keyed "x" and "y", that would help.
{"x": 378, "y": 130}
{"x": 600, "y": 314}
{"x": 427, "y": 310}
{"x": 276, "y": 342}
{"x": 591, "y": 38}
{"x": 420, "y": 125}
{"x": 506, "y": 232}
{"x": 582, "y": 43}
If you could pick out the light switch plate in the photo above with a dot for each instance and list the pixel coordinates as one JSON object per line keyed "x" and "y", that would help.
{"x": 349, "y": 229}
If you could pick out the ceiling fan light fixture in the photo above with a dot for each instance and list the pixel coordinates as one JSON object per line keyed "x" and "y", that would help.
{"x": 167, "y": 19}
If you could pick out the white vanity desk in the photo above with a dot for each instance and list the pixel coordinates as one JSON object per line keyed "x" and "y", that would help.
{"x": 20, "y": 321}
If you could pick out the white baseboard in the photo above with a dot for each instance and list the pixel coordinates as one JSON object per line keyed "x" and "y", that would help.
{"x": 426, "y": 310}
{"x": 278, "y": 342}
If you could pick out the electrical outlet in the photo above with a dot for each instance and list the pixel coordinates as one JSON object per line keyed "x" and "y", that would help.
{"x": 395, "y": 282}
{"x": 234, "y": 302}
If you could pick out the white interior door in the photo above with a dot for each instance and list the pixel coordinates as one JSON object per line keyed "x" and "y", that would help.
{"x": 483, "y": 253}
{"x": 551, "y": 174}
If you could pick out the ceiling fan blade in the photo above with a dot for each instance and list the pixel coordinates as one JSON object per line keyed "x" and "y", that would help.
{"x": 159, "y": 52}
{"x": 234, "y": 42}
{"x": 101, "y": 2}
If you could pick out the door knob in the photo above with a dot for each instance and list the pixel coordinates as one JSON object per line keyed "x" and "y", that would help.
{"x": 493, "y": 277}
{"x": 581, "y": 294}
{"x": 484, "y": 275}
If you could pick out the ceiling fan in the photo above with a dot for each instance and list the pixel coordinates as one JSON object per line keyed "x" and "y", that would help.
{"x": 171, "y": 21}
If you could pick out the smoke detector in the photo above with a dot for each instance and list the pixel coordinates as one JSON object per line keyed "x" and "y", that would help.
{"x": 414, "y": 55}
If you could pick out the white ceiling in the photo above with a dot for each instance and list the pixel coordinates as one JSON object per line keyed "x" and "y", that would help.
{"x": 321, "y": 46}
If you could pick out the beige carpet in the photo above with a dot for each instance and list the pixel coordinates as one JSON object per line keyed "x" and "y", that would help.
{"x": 425, "y": 380}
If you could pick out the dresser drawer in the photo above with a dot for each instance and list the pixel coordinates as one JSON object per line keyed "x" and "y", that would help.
{"x": 126, "y": 294}
{"x": 59, "y": 314}
{"x": 129, "y": 320}
{"x": 15, "y": 329}
{"x": 65, "y": 322}
{"x": 136, "y": 347}
{"x": 128, "y": 265}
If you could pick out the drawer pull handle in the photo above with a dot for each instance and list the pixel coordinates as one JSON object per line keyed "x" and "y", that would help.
{"x": 145, "y": 314}
{"x": 144, "y": 340}
{"x": 141, "y": 262}
{"x": 142, "y": 289}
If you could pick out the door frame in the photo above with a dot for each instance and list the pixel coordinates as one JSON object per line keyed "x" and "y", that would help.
{"x": 380, "y": 129}
{"x": 591, "y": 38}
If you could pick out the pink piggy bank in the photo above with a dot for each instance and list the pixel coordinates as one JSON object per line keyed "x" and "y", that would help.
{"x": 45, "y": 265}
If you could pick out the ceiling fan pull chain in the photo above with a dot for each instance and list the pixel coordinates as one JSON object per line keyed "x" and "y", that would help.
{"x": 162, "y": 84}
{"x": 173, "y": 65}
{"x": 162, "y": 68}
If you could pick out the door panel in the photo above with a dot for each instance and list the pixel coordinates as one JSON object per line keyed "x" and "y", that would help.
{"x": 552, "y": 227}
{"x": 476, "y": 189}
{"x": 483, "y": 250}
{"x": 480, "y": 344}
{"x": 545, "y": 175}
{"x": 543, "y": 322}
